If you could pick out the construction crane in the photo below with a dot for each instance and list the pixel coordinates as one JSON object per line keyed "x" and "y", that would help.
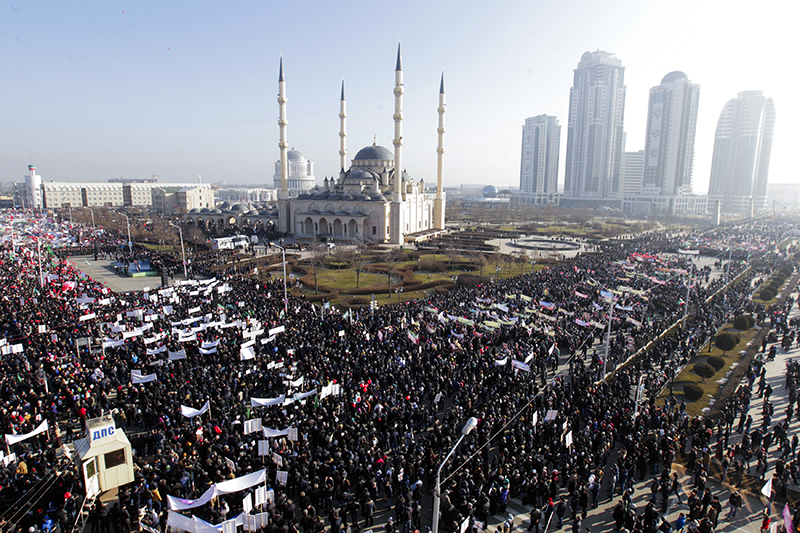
{"x": 774, "y": 203}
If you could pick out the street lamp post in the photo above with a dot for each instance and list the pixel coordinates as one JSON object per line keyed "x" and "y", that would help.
{"x": 128, "y": 221}
{"x": 471, "y": 424}
{"x": 183, "y": 250}
{"x": 283, "y": 258}
{"x": 610, "y": 319}
{"x": 398, "y": 291}
{"x": 686, "y": 303}
{"x": 92, "y": 212}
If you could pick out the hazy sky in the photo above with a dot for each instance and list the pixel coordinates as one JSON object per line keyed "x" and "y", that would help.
{"x": 93, "y": 90}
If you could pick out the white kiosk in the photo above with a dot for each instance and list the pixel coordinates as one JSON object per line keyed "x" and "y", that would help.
{"x": 105, "y": 455}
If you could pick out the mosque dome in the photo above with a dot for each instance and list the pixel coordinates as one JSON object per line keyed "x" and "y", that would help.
{"x": 295, "y": 155}
{"x": 360, "y": 174}
{"x": 240, "y": 208}
{"x": 374, "y": 152}
{"x": 675, "y": 75}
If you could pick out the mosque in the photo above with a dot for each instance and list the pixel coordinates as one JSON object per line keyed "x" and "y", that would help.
{"x": 371, "y": 200}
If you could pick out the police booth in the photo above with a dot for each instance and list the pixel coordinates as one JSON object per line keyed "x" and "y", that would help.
{"x": 105, "y": 456}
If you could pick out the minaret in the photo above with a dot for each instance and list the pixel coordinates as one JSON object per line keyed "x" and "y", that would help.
{"x": 342, "y": 131}
{"x": 397, "y": 226}
{"x": 438, "y": 203}
{"x": 283, "y": 144}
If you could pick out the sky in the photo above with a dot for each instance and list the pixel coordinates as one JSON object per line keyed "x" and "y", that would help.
{"x": 99, "y": 89}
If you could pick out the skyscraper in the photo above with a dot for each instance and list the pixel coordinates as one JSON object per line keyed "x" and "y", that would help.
{"x": 538, "y": 175}
{"x": 742, "y": 146}
{"x": 630, "y": 173}
{"x": 594, "y": 132}
{"x": 669, "y": 144}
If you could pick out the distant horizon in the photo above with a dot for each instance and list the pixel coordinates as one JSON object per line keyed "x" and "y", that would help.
{"x": 179, "y": 89}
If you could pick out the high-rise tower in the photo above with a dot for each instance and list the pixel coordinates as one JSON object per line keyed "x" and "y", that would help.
{"x": 742, "y": 146}
{"x": 594, "y": 132}
{"x": 538, "y": 175}
{"x": 669, "y": 144}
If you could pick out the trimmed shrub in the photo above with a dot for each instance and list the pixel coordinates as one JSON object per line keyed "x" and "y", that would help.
{"x": 766, "y": 294}
{"x": 743, "y": 322}
{"x": 704, "y": 370}
{"x": 692, "y": 391}
{"x": 717, "y": 362}
{"x": 470, "y": 280}
{"x": 726, "y": 341}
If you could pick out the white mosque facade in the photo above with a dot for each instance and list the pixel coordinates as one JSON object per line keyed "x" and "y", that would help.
{"x": 368, "y": 201}
{"x": 301, "y": 174}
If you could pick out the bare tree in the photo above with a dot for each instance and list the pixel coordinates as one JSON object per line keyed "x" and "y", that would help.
{"x": 359, "y": 261}
{"x": 392, "y": 258}
{"x": 317, "y": 260}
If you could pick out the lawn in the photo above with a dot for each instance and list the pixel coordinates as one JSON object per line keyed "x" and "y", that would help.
{"x": 711, "y": 386}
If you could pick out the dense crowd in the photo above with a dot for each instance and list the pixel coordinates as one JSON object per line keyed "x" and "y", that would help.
{"x": 410, "y": 375}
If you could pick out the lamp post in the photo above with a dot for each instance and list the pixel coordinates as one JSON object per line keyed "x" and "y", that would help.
{"x": 128, "y": 221}
{"x": 183, "y": 250}
{"x": 398, "y": 291}
{"x": 471, "y": 424}
{"x": 610, "y": 319}
{"x": 92, "y": 212}
{"x": 283, "y": 258}
{"x": 686, "y": 303}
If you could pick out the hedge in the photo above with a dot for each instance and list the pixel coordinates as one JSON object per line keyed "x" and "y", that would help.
{"x": 743, "y": 322}
{"x": 717, "y": 362}
{"x": 726, "y": 341}
{"x": 704, "y": 370}
{"x": 693, "y": 391}
{"x": 766, "y": 295}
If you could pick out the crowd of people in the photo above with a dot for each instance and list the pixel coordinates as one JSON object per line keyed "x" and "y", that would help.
{"x": 525, "y": 356}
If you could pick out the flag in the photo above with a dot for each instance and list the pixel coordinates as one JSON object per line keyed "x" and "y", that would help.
{"x": 766, "y": 490}
{"x": 413, "y": 338}
{"x": 787, "y": 518}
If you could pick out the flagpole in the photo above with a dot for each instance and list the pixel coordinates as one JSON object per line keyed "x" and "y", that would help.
{"x": 39, "y": 254}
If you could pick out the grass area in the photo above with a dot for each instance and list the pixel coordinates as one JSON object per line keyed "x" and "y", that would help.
{"x": 711, "y": 389}
{"x": 346, "y": 278}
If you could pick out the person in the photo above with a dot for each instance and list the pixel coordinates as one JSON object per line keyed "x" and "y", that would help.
{"x": 680, "y": 523}
{"x": 735, "y": 502}
{"x": 765, "y": 521}
{"x": 561, "y": 510}
{"x": 536, "y": 517}
{"x": 369, "y": 512}
{"x": 619, "y": 515}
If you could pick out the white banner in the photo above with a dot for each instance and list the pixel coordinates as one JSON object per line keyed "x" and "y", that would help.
{"x": 13, "y": 439}
{"x": 267, "y": 402}
{"x": 247, "y": 353}
{"x": 252, "y": 425}
{"x": 174, "y": 356}
{"x": 137, "y": 377}
{"x": 190, "y": 412}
